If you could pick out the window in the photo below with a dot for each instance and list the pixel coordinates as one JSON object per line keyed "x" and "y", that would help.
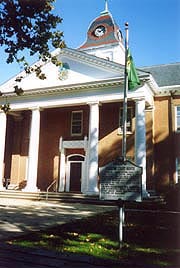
{"x": 76, "y": 123}
{"x": 129, "y": 119}
{"x": 177, "y": 170}
{"x": 178, "y": 118}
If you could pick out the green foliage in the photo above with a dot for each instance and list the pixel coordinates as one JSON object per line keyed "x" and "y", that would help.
{"x": 97, "y": 236}
{"x": 31, "y": 25}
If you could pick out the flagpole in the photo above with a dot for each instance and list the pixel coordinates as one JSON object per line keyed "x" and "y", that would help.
{"x": 125, "y": 93}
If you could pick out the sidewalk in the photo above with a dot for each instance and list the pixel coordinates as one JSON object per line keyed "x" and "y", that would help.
{"x": 21, "y": 216}
{"x": 18, "y": 217}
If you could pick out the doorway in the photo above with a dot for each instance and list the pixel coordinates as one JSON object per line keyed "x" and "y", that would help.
{"x": 75, "y": 176}
{"x": 75, "y": 167}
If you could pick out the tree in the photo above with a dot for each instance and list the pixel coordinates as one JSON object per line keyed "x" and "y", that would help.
{"x": 31, "y": 25}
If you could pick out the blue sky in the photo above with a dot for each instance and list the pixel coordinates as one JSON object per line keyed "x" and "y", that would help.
{"x": 154, "y": 35}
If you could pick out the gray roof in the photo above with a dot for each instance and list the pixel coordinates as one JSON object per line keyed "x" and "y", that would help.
{"x": 166, "y": 74}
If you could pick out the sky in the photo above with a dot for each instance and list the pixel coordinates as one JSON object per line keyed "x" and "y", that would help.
{"x": 154, "y": 29}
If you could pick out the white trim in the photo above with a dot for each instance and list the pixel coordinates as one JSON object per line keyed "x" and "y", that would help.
{"x": 176, "y": 114}
{"x": 176, "y": 172}
{"x": 68, "y": 170}
{"x": 92, "y": 159}
{"x": 64, "y": 176}
{"x": 3, "y": 122}
{"x": 62, "y": 168}
{"x": 120, "y": 129}
{"x": 33, "y": 151}
{"x": 77, "y": 112}
{"x": 140, "y": 141}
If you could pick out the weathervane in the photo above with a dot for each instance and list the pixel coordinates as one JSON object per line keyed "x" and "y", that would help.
{"x": 106, "y": 5}
{"x": 106, "y": 10}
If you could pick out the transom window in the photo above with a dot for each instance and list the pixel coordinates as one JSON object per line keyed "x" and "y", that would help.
{"x": 76, "y": 123}
{"x": 178, "y": 118}
{"x": 129, "y": 119}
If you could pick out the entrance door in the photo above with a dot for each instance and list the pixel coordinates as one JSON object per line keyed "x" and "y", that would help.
{"x": 75, "y": 176}
{"x": 75, "y": 173}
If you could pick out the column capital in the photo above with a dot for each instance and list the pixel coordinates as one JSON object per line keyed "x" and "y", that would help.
{"x": 90, "y": 103}
{"x": 35, "y": 108}
{"x": 149, "y": 108}
{"x": 2, "y": 112}
{"x": 138, "y": 99}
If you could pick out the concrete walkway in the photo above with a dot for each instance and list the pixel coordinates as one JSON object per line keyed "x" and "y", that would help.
{"x": 21, "y": 216}
{"x": 18, "y": 217}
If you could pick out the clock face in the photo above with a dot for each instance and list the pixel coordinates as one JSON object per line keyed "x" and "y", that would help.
{"x": 100, "y": 31}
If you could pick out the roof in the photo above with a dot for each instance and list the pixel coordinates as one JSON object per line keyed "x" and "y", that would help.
{"x": 165, "y": 74}
{"x": 112, "y": 34}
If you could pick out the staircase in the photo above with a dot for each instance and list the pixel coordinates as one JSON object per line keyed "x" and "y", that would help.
{"x": 52, "y": 197}
{"x": 152, "y": 202}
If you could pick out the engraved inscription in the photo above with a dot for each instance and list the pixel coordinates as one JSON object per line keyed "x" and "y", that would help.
{"x": 121, "y": 180}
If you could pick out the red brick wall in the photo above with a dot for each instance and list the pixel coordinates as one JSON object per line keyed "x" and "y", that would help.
{"x": 54, "y": 124}
{"x": 167, "y": 142}
{"x": 110, "y": 144}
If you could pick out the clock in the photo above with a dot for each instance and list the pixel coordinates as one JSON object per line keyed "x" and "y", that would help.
{"x": 99, "y": 31}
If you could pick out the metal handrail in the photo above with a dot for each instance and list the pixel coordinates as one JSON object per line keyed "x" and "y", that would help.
{"x": 47, "y": 190}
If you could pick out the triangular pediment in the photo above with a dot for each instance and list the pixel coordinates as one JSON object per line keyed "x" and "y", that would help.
{"x": 77, "y": 68}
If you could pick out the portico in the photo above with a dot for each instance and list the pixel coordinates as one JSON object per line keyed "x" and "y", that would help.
{"x": 39, "y": 157}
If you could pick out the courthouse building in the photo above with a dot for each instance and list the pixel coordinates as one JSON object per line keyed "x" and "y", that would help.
{"x": 63, "y": 129}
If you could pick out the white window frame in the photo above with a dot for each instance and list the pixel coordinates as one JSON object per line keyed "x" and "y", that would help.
{"x": 177, "y": 128}
{"x": 79, "y": 121}
{"x": 128, "y": 124}
{"x": 68, "y": 169}
{"x": 177, "y": 176}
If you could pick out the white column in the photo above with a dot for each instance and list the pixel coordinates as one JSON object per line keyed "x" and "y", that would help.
{"x": 140, "y": 141}
{"x": 84, "y": 183}
{"x": 33, "y": 151}
{"x": 92, "y": 159}
{"x": 3, "y": 119}
{"x": 62, "y": 166}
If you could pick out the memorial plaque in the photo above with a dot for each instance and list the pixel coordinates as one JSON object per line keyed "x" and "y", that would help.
{"x": 121, "y": 180}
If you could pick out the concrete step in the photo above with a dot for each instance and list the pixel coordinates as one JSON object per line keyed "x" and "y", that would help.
{"x": 52, "y": 196}
{"x": 150, "y": 202}
{"x": 19, "y": 195}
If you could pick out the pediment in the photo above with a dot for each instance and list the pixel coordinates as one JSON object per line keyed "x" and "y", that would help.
{"x": 77, "y": 67}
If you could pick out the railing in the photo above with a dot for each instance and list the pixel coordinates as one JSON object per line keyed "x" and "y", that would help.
{"x": 47, "y": 190}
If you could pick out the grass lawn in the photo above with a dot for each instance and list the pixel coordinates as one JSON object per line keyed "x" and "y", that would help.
{"x": 148, "y": 238}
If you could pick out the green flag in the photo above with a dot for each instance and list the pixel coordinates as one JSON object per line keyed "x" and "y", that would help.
{"x": 133, "y": 80}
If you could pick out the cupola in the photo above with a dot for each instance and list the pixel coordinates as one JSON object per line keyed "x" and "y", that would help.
{"x": 104, "y": 38}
